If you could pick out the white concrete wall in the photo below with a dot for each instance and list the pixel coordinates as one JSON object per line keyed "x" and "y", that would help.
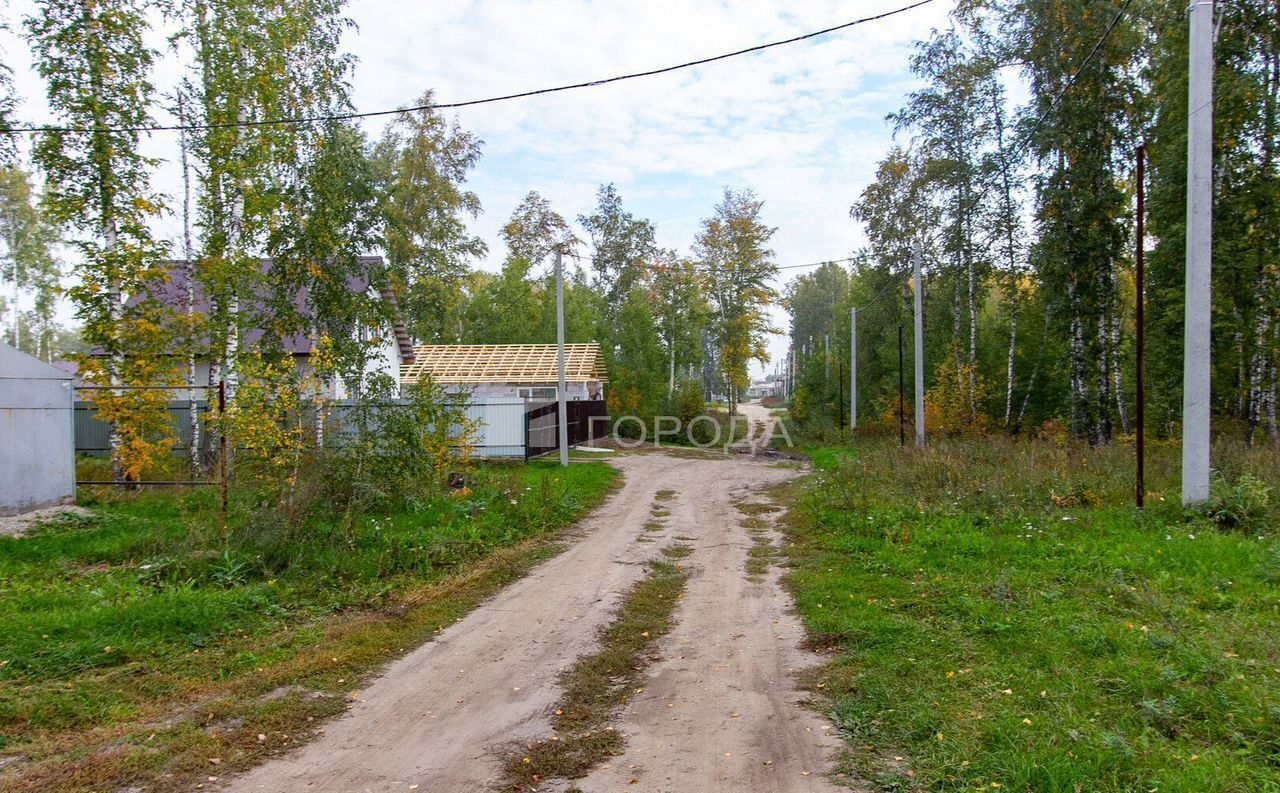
{"x": 37, "y": 447}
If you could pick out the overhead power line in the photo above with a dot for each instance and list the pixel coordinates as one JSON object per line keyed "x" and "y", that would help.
{"x": 702, "y": 268}
{"x": 473, "y": 102}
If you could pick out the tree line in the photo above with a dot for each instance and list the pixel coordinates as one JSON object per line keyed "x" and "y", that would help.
{"x": 1025, "y": 215}
{"x": 314, "y": 199}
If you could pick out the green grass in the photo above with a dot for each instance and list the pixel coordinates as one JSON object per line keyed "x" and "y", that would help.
{"x": 124, "y": 619}
{"x": 597, "y": 686}
{"x": 997, "y": 614}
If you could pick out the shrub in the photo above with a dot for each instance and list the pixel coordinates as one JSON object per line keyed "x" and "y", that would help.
{"x": 388, "y": 452}
{"x": 1240, "y": 505}
{"x": 954, "y": 404}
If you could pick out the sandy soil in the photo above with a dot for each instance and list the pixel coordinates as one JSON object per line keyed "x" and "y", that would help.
{"x": 720, "y": 713}
{"x": 760, "y": 427}
{"x": 18, "y": 525}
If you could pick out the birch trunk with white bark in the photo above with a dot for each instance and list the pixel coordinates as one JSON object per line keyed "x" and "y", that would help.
{"x": 115, "y": 356}
{"x": 1117, "y": 373}
{"x": 189, "y": 267}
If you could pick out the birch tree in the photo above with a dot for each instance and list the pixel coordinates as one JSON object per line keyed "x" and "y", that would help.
{"x": 951, "y": 128}
{"x": 28, "y": 266}
{"x": 8, "y": 103}
{"x": 422, "y": 162}
{"x": 733, "y": 249}
{"x": 1081, "y": 213}
{"x": 680, "y": 311}
{"x": 95, "y": 65}
{"x": 252, "y": 62}
{"x": 623, "y": 248}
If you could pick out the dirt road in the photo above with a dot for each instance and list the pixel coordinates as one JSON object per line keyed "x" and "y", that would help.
{"x": 760, "y": 427}
{"x": 720, "y": 711}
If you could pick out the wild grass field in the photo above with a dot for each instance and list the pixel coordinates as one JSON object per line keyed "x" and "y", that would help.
{"x": 138, "y": 643}
{"x": 998, "y": 615}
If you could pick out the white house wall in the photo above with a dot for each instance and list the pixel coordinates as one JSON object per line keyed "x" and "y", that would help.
{"x": 385, "y": 359}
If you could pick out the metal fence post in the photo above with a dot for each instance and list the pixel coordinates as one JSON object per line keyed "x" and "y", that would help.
{"x": 222, "y": 455}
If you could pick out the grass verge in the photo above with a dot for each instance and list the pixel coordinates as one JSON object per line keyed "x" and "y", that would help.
{"x": 133, "y": 655}
{"x": 998, "y": 617}
{"x": 762, "y": 553}
{"x": 598, "y": 685}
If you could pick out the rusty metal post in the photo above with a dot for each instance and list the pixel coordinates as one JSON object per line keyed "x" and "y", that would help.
{"x": 902, "y": 395}
{"x": 222, "y": 454}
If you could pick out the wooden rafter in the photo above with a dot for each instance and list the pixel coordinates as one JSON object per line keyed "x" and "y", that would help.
{"x": 455, "y": 364}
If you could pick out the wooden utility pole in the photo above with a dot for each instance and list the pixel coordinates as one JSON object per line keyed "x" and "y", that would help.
{"x": 902, "y": 396}
{"x": 1196, "y": 338}
{"x": 223, "y": 451}
{"x": 561, "y": 408}
{"x": 826, "y": 360}
{"x": 853, "y": 369}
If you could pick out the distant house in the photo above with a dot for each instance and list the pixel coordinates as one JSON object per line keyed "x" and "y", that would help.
{"x": 769, "y": 387}
{"x": 392, "y": 347}
{"x": 528, "y": 371}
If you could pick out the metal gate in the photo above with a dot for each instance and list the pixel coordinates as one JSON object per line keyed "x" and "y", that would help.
{"x": 585, "y": 419}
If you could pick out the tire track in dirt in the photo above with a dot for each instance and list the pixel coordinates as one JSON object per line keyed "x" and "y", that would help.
{"x": 721, "y": 711}
{"x": 439, "y": 717}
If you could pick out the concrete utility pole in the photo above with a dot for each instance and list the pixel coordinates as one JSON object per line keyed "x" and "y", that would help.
{"x": 919, "y": 311}
{"x": 853, "y": 369}
{"x": 791, "y": 371}
{"x": 826, "y": 361}
{"x": 561, "y": 407}
{"x": 1139, "y": 321}
{"x": 1195, "y": 361}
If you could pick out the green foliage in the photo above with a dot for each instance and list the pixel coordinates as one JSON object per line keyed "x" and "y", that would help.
{"x": 733, "y": 248}
{"x": 535, "y": 231}
{"x": 984, "y": 635}
{"x": 636, "y": 384}
{"x": 689, "y": 402}
{"x": 623, "y": 248}
{"x": 29, "y": 265}
{"x": 422, "y": 162}
{"x": 1241, "y": 505}
{"x": 8, "y": 103}
{"x": 96, "y": 66}
{"x": 300, "y": 193}
{"x": 391, "y": 453}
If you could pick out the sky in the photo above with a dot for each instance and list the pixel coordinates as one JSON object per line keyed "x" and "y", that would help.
{"x": 801, "y": 125}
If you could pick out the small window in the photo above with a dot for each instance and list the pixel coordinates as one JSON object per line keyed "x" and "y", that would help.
{"x": 538, "y": 392}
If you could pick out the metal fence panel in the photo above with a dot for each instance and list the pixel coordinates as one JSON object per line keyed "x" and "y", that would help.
{"x": 500, "y": 425}
{"x": 93, "y": 436}
{"x": 583, "y": 422}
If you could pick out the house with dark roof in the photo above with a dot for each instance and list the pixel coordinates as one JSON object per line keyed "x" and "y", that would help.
{"x": 390, "y": 341}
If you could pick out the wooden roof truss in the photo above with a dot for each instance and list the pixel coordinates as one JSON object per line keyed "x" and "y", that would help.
{"x": 454, "y": 364}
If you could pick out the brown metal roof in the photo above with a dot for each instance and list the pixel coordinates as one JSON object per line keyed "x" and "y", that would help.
{"x": 453, "y": 364}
